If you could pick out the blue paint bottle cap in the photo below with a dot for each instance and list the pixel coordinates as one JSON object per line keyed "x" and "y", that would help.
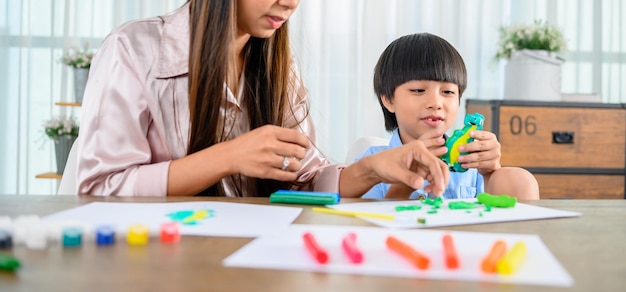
{"x": 105, "y": 235}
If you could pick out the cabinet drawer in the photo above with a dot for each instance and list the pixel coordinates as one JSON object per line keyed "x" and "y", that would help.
{"x": 580, "y": 186}
{"x": 538, "y": 137}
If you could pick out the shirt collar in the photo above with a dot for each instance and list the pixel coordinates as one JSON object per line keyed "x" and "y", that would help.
{"x": 173, "y": 57}
{"x": 395, "y": 139}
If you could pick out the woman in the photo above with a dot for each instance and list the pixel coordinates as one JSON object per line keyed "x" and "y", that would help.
{"x": 207, "y": 100}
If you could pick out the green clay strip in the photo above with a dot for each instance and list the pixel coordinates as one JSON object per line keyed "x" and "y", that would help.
{"x": 501, "y": 201}
{"x": 461, "y": 205}
{"x": 408, "y": 208}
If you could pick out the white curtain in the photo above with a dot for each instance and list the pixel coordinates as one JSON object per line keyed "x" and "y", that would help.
{"x": 33, "y": 35}
{"x": 337, "y": 43}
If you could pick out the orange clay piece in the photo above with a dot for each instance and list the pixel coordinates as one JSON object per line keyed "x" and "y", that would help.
{"x": 407, "y": 252}
{"x": 452, "y": 259}
{"x": 495, "y": 254}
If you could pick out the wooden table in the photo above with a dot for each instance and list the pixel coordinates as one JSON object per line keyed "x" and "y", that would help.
{"x": 590, "y": 247}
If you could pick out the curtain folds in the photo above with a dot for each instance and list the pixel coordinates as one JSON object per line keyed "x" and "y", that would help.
{"x": 338, "y": 44}
{"x": 33, "y": 36}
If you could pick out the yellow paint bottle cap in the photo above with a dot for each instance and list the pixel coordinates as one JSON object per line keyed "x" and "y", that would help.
{"x": 138, "y": 234}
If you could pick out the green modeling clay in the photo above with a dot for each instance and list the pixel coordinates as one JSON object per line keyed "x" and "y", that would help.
{"x": 501, "y": 201}
{"x": 8, "y": 263}
{"x": 461, "y": 205}
{"x": 408, "y": 208}
{"x": 459, "y": 138}
{"x": 434, "y": 202}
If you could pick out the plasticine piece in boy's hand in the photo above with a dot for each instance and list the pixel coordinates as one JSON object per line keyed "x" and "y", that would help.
{"x": 461, "y": 137}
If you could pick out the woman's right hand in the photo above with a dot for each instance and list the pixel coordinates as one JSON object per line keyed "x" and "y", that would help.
{"x": 434, "y": 142}
{"x": 261, "y": 153}
{"x": 422, "y": 164}
{"x": 410, "y": 165}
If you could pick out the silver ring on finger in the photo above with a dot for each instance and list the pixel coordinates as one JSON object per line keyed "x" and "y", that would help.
{"x": 285, "y": 163}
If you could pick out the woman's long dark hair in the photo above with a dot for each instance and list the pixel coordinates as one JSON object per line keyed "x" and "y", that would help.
{"x": 267, "y": 65}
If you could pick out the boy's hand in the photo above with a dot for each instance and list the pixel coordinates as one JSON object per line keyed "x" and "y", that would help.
{"x": 484, "y": 152}
{"x": 434, "y": 142}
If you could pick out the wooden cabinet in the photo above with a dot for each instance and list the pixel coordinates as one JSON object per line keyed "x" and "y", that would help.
{"x": 575, "y": 150}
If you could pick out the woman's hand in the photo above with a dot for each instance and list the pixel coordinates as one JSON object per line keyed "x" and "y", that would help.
{"x": 484, "y": 152}
{"x": 410, "y": 165}
{"x": 268, "y": 152}
{"x": 434, "y": 142}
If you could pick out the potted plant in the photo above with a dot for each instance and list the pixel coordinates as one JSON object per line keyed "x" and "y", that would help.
{"x": 80, "y": 60}
{"x": 533, "y": 55}
{"x": 63, "y": 131}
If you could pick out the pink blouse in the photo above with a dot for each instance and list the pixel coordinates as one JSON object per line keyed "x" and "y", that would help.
{"x": 135, "y": 115}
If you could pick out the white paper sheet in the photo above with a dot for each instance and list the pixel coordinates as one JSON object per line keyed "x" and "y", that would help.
{"x": 285, "y": 250}
{"x": 448, "y": 217}
{"x": 228, "y": 219}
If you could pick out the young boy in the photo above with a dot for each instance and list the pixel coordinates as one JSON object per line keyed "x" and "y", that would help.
{"x": 419, "y": 81}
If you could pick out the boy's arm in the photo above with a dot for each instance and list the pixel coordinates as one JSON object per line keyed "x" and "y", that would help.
{"x": 485, "y": 156}
{"x": 399, "y": 191}
{"x": 512, "y": 181}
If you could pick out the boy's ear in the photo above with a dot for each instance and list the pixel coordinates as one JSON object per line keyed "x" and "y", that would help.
{"x": 388, "y": 103}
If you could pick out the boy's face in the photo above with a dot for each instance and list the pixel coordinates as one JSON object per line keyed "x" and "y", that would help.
{"x": 422, "y": 106}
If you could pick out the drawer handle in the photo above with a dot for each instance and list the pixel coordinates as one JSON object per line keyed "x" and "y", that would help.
{"x": 563, "y": 137}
